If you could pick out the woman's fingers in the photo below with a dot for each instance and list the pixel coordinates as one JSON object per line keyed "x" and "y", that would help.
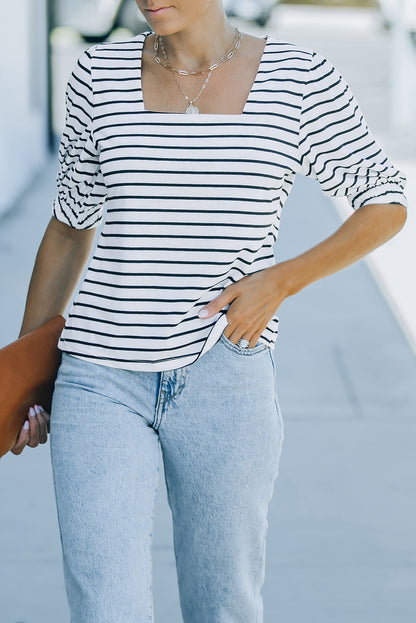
{"x": 38, "y": 426}
{"x": 47, "y": 417}
{"x": 22, "y": 439}
{"x": 34, "y": 430}
{"x": 43, "y": 419}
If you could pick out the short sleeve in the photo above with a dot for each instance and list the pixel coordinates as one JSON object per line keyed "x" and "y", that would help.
{"x": 81, "y": 190}
{"x": 336, "y": 145}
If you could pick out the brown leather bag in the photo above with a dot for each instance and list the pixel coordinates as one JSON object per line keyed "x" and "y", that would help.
{"x": 28, "y": 369}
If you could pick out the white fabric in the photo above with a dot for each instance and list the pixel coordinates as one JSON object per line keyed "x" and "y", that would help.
{"x": 193, "y": 202}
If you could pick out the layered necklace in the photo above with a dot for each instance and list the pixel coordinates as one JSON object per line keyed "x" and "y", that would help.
{"x": 192, "y": 109}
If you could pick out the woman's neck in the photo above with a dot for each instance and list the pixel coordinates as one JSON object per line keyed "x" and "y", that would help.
{"x": 201, "y": 44}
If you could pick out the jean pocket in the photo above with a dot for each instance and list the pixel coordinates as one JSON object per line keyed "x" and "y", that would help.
{"x": 258, "y": 348}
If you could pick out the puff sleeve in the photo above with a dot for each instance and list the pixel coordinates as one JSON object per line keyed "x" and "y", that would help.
{"x": 81, "y": 190}
{"x": 337, "y": 148}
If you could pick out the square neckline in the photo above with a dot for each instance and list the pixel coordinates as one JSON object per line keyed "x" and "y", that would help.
{"x": 193, "y": 117}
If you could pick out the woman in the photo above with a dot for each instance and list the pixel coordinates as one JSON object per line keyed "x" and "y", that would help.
{"x": 191, "y": 135}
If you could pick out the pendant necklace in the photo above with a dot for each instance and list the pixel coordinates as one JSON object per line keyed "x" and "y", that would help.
{"x": 192, "y": 109}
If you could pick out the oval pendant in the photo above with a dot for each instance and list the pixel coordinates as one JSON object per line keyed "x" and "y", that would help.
{"x": 192, "y": 110}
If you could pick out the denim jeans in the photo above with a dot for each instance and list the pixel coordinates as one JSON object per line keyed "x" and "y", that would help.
{"x": 220, "y": 431}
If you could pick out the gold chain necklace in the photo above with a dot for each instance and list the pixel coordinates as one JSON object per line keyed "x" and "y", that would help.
{"x": 192, "y": 109}
{"x": 183, "y": 72}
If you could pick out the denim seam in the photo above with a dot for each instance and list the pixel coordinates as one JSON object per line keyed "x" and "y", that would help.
{"x": 160, "y": 403}
{"x": 273, "y": 363}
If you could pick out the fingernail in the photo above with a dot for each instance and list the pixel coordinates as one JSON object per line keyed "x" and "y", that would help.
{"x": 26, "y": 425}
{"x": 203, "y": 313}
{"x": 37, "y": 409}
{"x": 32, "y": 412}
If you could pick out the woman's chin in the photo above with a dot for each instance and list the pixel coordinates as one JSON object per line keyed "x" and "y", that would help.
{"x": 160, "y": 21}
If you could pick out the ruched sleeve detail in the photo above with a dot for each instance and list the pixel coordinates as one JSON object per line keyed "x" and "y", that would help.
{"x": 81, "y": 190}
{"x": 336, "y": 145}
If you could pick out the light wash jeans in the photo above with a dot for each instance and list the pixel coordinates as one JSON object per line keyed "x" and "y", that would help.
{"x": 220, "y": 429}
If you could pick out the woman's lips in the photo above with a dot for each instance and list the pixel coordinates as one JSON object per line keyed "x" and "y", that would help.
{"x": 157, "y": 12}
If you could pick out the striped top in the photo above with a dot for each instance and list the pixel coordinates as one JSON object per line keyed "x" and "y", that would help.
{"x": 193, "y": 202}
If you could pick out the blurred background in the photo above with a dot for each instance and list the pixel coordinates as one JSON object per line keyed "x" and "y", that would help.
{"x": 341, "y": 541}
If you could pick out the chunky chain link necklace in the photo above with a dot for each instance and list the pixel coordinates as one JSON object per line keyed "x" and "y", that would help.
{"x": 192, "y": 109}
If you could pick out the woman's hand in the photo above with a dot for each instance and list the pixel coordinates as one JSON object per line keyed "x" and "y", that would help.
{"x": 34, "y": 430}
{"x": 253, "y": 300}
{"x": 256, "y": 297}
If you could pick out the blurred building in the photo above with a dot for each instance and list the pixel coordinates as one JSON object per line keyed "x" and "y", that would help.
{"x": 23, "y": 96}
{"x": 400, "y": 17}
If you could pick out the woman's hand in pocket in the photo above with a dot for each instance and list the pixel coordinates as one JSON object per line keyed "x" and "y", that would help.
{"x": 252, "y": 300}
{"x": 34, "y": 430}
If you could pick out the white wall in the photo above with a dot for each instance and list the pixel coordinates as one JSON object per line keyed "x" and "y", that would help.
{"x": 23, "y": 96}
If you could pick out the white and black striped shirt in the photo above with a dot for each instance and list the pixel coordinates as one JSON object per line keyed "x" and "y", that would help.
{"x": 193, "y": 202}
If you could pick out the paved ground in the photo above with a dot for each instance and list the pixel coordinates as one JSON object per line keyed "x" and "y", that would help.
{"x": 341, "y": 541}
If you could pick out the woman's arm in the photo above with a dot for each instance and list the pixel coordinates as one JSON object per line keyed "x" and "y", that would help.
{"x": 59, "y": 263}
{"x": 362, "y": 232}
{"x": 77, "y": 211}
{"x": 255, "y": 298}
{"x": 62, "y": 255}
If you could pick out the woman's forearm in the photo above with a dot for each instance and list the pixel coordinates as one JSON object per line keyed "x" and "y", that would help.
{"x": 363, "y": 231}
{"x": 59, "y": 263}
